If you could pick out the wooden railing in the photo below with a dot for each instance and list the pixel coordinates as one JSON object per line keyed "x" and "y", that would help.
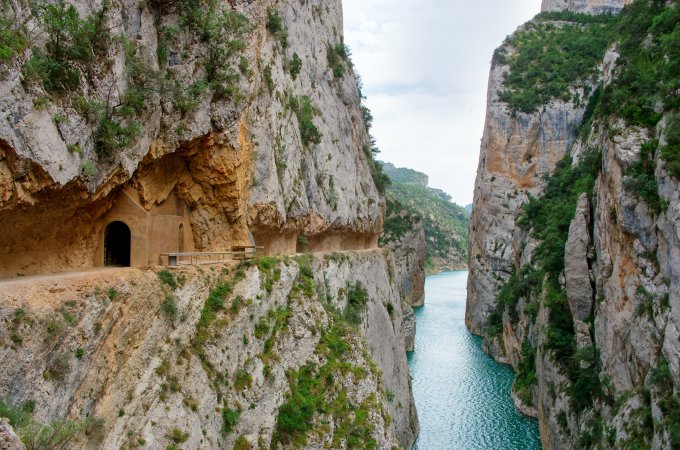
{"x": 237, "y": 253}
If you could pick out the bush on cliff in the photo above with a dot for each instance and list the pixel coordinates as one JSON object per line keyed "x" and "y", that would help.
{"x": 552, "y": 55}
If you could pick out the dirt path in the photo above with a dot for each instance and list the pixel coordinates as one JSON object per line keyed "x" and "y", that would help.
{"x": 35, "y": 290}
{"x": 32, "y": 289}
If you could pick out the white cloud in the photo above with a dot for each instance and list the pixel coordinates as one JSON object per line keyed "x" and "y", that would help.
{"x": 425, "y": 64}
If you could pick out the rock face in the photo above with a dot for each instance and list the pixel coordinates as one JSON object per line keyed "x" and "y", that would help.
{"x": 169, "y": 114}
{"x": 576, "y": 271}
{"x": 9, "y": 440}
{"x": 149, "y": 369}
{"x": 585, "y": 6}
{"x": 409, "y": 257}
{"x": 196, "y": 126}
{"x": 595, "y": 345}
{"x": 517, "y": 151}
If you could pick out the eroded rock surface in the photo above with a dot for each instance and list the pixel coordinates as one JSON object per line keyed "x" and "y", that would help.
{"x": 228, "y": 145}
{"x": 149, "y": 370}
{"x": 595, "y": 345}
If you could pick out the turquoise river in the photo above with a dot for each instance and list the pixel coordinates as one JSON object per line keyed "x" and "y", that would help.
{"x": 462, "y": 394}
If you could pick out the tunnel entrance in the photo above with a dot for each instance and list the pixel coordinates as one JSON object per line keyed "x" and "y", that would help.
{"x": 117, "y": 242}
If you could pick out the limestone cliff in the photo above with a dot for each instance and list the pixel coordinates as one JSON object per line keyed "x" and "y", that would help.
{"x": 134, "y": 129}
{"x": 409, "y": 258}
{"x": 284, "y": 353}
{"x": 243, "y": 117}
{"x": 585, "y": 6}
{"x": 573, "y": 275}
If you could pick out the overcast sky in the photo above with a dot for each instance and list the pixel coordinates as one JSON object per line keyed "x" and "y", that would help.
{"x": 425, "y": 66}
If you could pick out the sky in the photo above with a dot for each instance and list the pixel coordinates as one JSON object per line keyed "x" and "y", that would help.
{"x": 425, "y": 67}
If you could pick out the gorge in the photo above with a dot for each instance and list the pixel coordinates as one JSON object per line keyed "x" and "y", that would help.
{"x": 134, "y": 131}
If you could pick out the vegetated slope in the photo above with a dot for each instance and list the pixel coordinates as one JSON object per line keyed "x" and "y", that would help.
{"x": 409, "y": 199}
{"x": 584, "y": 300}
{"x": 278, "y": 352}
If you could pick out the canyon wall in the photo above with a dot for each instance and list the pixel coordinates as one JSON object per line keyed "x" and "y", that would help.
{"x": 209, "y": 358}
{"x": 246, "y": 113}
{"x": 573, "y": 239}
{"x": 195, "y": 125}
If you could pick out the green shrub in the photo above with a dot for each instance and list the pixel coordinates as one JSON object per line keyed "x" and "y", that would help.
{"x": 91, "y": 109}
{"x": 57, "y": 435}
{"x": 337, "y": 56}
{"x": 647, "y": 67}
{"x": 230, "y": 418}
{"x": 314, "y": 389}
{"x": 58, "y": 368}
{"x": 169, "y": 307}
{"x": 550, "y": 58}
{"x": 112, "y": 293}
{"x": 585, "y": 385}
{"x": 641, "y": 178}
{"x": 71, "y": 42}
{"x": 12, "y": 39}
{"x": 179, "y": 436}
{"x": 86, "y": 169}
{"x": 305, "y": 112}
{"x": 295, "y": 66}
{"x": 69, "y": 318}
{"x": 671, "y": 151}
{"x": 398, "y": 222}
{"x": 357, "y": 298}
{"x": 526, "y": 373}
{"x": 80, "y": 352}
{"x": 168, "y": 278}
{"x": 242, "y": 443}
{"x": 261, "y": 328}
{"x": 276, "y": 27}
{"x": 242, "y": 380}
{"x": 236, "y": 304}
{"x": 112, "y": 135}
{"x": 187, "y": 99}
{"x": 268, "y": 79}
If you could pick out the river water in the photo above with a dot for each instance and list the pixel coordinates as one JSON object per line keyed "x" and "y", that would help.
{"x": 462, "y": 394}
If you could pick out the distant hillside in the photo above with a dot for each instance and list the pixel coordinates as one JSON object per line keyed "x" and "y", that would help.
{"x": 445, "y": 223}
{"x": 404, "y": 175}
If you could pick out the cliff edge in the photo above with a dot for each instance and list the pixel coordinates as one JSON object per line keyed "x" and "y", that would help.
{"x": 573, "y": 239}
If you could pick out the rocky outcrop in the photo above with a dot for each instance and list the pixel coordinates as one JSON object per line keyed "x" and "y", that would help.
{"x": 576, "y": 270}
{"x": 585, "y": 6}
{"x": 9, "y": 440}
{"x": 409, "y": 258}
{"x": 166, "y": 110}
{"x": 208, "y": 357}
{"x": 409, "y": 255}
